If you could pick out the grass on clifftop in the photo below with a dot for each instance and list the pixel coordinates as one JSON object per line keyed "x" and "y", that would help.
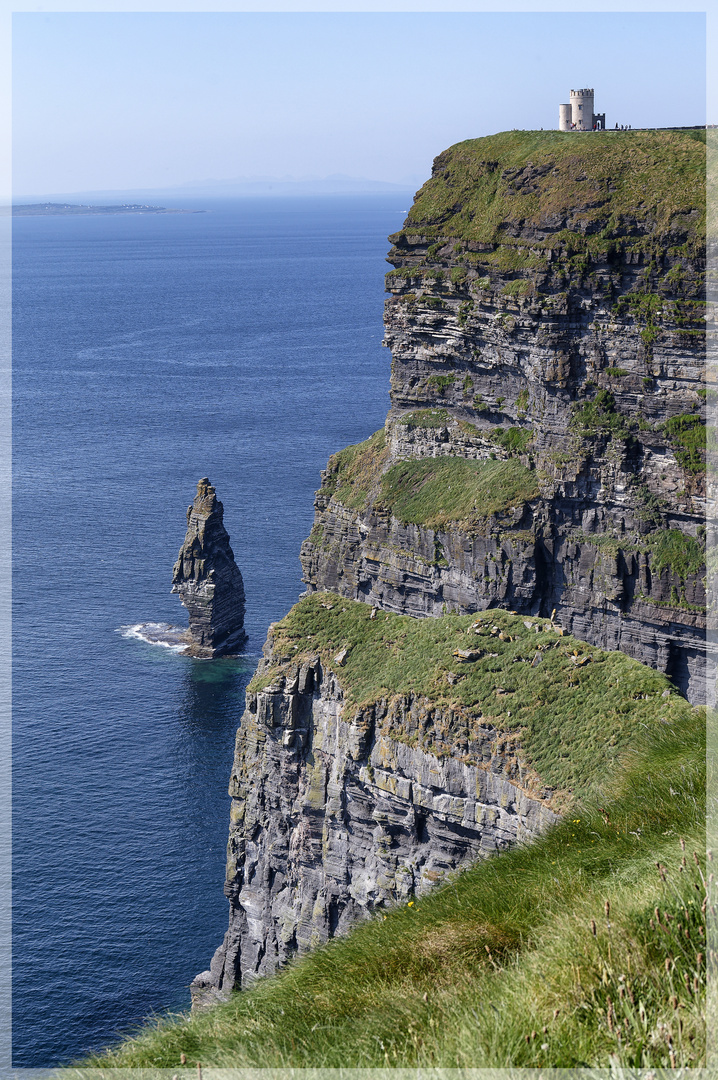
{"x": 574, "y": 712}
{"x": 585, "y": 948}
{"x": 435, "y": 492}
{"x": 637, "y": 187}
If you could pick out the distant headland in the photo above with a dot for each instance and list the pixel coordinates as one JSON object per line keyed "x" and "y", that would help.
{"x": 53, "y": 209}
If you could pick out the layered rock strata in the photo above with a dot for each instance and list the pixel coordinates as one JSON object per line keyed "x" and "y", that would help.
{"x": 208, "y": 580}
{"x": 332, "y": 818}
{"x": 542, "y": 312}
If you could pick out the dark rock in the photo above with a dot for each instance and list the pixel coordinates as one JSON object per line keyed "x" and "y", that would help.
{"x": 208, "y": 580}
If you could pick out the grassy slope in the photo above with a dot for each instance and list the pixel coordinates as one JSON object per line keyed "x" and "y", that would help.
{"x": 438, "y": 492}
{"x": 435, "y": 492}
{"x": 551, "y": 954}
{"x": 644, "y": 188}
{"x": 575, "y": 712}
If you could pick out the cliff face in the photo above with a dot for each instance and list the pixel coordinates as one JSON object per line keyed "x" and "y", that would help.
{"x": 208, "y": 579}
{"x": 546, "y": 324}
{"x": 331, "y": 819}
{"x": 378, "y": 753}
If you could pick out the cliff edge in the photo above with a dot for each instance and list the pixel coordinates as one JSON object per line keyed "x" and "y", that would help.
{"x": 379, "y": 753}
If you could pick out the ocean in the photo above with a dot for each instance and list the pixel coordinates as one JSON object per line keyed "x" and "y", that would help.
{"x": 241, "y": 343}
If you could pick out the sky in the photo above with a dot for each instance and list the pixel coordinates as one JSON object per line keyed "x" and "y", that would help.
{"x": 139, "y": 100}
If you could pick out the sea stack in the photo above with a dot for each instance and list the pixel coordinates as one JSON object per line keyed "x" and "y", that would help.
{"x": 208, "y": 580}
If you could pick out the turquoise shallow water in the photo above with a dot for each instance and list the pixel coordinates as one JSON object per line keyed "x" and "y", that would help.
{"x": 242, "y": 343}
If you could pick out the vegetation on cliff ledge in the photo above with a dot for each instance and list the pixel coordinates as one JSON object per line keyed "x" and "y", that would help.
{"x": 573, "y": 708}
{"x": 687, "y": 432}
{"x": 354, "y": 473}
{"x": 642, "y": 189}
{"x": 434, "y": 492}
{"x": 442, "y": 491}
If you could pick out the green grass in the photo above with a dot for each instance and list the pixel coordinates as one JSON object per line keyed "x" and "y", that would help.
{"x": 440, "y": 383}
{"x": 518, "y": 287}
{"x": 645, "y": 307}
{"x": 575, "y": 712}
{"x": 437, "y": 492}
{"x": 673, "y": 550}
{"x": 600, "y": 183}
{"x": 584, "y": 948}
{"x": 687, "y": 433}
{"x": 515, "y": 440}
{"x": 599, "y": 416}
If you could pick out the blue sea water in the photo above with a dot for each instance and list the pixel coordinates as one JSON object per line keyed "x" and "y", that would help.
{"x": 242, "y": 343}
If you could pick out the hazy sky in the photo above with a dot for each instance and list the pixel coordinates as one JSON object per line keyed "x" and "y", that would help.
{"x": 140, "y": 100}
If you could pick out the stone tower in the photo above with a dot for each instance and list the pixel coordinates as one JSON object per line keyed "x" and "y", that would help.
{"x": 208, "y": 579}
{"x": 582, "y": 110}
{"x": 578, "y": 115}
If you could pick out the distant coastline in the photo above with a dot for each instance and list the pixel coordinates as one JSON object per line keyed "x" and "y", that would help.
{"x": 52, "y": 209}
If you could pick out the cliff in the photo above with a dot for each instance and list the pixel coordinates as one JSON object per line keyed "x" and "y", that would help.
{"x": 544, "y": 458}
{"x": 379, "y": 753}
{"x": 208, "y": 580}
{"x": 545, "y": 447}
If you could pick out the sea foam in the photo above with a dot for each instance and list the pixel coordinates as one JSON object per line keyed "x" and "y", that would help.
{"x": 156, "y": 633}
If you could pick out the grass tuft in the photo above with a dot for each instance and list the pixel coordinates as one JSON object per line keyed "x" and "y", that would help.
{"x": 425, "y": 418}
{"x": 687, "y": 432}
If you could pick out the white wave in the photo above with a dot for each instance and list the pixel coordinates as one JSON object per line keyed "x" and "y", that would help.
{"x": 156, "y": 633}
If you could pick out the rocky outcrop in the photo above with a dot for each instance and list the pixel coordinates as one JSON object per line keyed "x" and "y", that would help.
{"x": 208, "y": 580}
{"x": 332, "y": 818}
{"x": 540, "y": 316}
